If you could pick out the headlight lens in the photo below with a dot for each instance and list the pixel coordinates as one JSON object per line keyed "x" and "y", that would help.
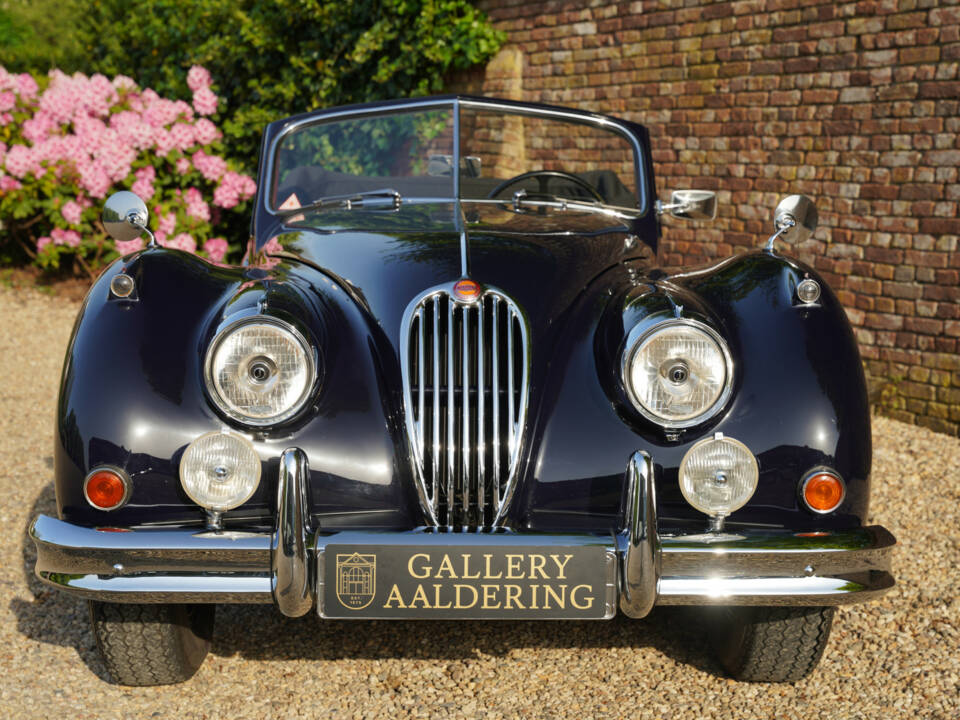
{"x": 718, "y": 475}
{"x": 678, "y": 373}
{"x": 220, "y": 471}
{"x": 260, "y": 371}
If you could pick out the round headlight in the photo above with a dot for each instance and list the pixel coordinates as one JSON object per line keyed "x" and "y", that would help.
{"x": 260, "y": 371}
{"x": 220, "y": 471}
{"x": 718, "y": 475}
{"x": 678, "y": 373}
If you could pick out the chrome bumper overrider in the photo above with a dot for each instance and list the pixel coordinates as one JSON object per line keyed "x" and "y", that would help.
{"x": 775, "y": 567}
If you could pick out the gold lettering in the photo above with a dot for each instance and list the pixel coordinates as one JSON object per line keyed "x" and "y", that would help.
{"x": 513, "y": 595}
{"x": 446, "y": 565}
{"x": 513, "y": 565}
{"x": 466, "y": 567}
{"x": 436, "y": 598}
{"x": 533, "y": 590}
{"x": 536, "y": 566}
{"x": 489, "y": 595}
{"x": 394, "y": 596}
{"x": 426, "y": 569}
{"x": 487, "y": 575}
{"x": 459, "y": 605}
{"x": 561, "y": 565}
{"x": 559, "y": 599}
{"x": 421, "y": 596}
{"x": 573, "y": 598}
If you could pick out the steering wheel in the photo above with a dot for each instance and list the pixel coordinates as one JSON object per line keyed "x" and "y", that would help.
{"x": 543, "y": 179}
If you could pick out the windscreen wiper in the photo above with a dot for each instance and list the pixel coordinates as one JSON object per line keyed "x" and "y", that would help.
{"x": 385, "y": 198}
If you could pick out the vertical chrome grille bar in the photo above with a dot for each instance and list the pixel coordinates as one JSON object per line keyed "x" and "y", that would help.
{"x": 421, "y": 387}
{"x": 451, "y": 440}
{"x": 465, "y": 423}
{"x": 495, "y": 391}
{"x": 435, "y": 420}
{"x": 460, "y": 486}
{"x": 481, "y": 417}
{"x": 510, "y": 368}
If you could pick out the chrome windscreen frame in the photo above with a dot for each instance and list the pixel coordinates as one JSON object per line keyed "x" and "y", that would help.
{"x": 455, "y": 103}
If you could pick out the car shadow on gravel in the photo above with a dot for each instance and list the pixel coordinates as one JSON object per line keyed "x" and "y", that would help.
{"x": 260, "y": 632}
{"x": 49, "y": 616}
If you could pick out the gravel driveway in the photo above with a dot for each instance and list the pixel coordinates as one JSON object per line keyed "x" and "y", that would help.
{"x": 896, "y": 657}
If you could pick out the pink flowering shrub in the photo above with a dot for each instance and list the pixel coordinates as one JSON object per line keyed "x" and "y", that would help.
{"x": 68, "y": 141}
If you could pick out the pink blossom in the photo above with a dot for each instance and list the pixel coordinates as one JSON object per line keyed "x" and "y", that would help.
{"x": 143, "y": 185}
{"x": 72, "y": 212}
{"x": 205, "y": 132}
{"x": 233, "y": 189}
{"x": 26, "y": 87}
{"x": 198, "y": 77}
{"x": 5, "y": 119}
{"x": 8, "y": 184}
{"x": 183, "y": 165}
{"x": 166, "y": 223}
{"x": 216, "y": 249}
{"x": 125, "y": 247}
{"x": 42, "y": 242}
{"x": 183, "y": 136}
{"x": 164, "y": 140}
{"x": 211, "y": 167}
{"x": 205, "y": 101}
{"x": 70, "y": 238}
{"x": 7, "y": 100}
{"x": 122, "y": 82}
{"x": 183, "y": 241}
{"x": 20, "y": 161}
{"x": 196, "y": 207}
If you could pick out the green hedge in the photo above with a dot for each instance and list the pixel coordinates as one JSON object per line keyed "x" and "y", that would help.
{"x": 273, "y": 58}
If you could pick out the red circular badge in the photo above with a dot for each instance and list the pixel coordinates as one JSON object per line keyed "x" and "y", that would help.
{"x": 466, "y": 290}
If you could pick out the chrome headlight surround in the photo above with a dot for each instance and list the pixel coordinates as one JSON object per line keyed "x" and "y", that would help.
{"x": 218, "y": 394}
{"x": 634, "y": 345}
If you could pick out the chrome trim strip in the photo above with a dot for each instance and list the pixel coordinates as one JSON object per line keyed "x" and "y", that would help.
{"x": 465, "y": 415}
{"x": 839, "y": 590}
{"x": 641, "y": 567}
{"x": 481, "y": 419}
{"x": 451, "y": 433}
{"x": 289, "y": 569}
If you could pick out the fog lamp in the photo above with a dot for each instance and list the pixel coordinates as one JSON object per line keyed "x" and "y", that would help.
{"x": 718, "y": 475}
{"x": 220, "y": 471}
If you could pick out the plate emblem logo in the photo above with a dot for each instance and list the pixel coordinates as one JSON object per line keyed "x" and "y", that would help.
{"x": 356, "y": 580}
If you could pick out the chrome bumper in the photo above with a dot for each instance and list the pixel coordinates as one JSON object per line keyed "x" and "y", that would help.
{"x": 176, "y": 565}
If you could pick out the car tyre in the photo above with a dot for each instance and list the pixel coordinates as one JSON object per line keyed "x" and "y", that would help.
{"x": 770, "y": 644}
{"x": 152, "y": 644}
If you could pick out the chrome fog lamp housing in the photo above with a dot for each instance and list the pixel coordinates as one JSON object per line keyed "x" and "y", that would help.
{"x": 220, "y": 471}
{"x": 718, "y": 475}
{"x": 260, "y": 370}
{"x": 678, "y": 373}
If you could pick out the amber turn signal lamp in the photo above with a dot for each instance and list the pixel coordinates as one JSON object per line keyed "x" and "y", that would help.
{"x": 823, "y": 491}
{"x": 106, "y": 489}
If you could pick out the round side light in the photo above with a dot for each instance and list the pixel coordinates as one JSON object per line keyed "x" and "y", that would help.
{"x": 106, "y": 488}
{"x": 718, "y": 475}
{"x": 822, "y": 491}
{"x": 808, "y": 290}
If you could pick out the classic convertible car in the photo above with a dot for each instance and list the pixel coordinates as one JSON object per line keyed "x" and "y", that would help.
{"x": 450, "y": 381}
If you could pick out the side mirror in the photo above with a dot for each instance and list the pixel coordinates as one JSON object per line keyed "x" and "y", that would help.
{"x": 124, "y": 216}
{"x": 795, "y": 219}
{"x": 691, "y": 204}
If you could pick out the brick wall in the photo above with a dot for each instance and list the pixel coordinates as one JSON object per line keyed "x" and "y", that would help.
{"x": 854, "y": 104}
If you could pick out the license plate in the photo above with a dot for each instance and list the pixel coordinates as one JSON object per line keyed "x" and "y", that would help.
{"x": 444, "y": 576}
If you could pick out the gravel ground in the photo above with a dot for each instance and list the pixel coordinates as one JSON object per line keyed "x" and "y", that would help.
{"x": 896, "y": 657}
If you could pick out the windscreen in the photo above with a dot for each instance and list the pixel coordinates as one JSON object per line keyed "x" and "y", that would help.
{"x": 410, "y": 152}
{"x": 503, "y": 152}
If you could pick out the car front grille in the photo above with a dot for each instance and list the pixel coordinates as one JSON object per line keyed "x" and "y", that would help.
{"x": 465, "y": 382}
